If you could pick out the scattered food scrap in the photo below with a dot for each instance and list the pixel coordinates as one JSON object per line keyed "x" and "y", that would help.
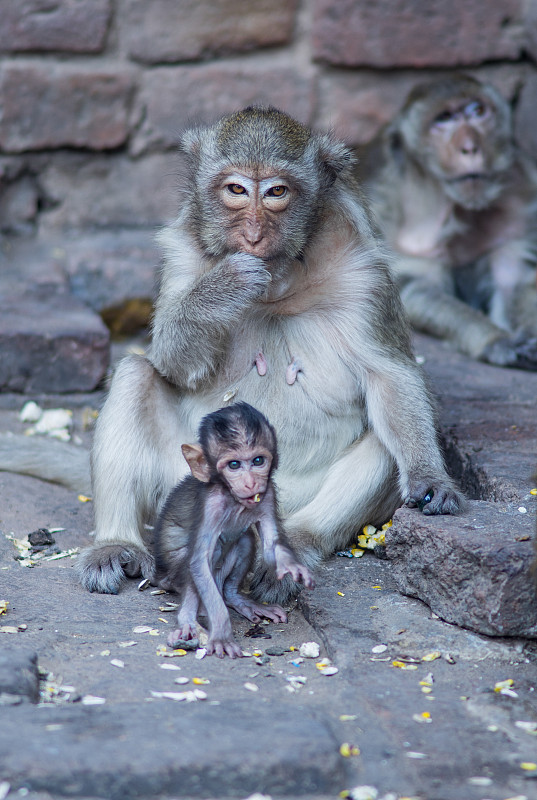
{"x": 347, "y": 750}
{"x": 309, "y": 650}
{"x": 190, "y": 696}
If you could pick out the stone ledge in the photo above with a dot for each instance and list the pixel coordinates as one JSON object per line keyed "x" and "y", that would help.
{"x": 471, "y": 570}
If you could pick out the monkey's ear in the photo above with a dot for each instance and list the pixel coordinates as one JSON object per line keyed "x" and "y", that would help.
{"x": 190, "y": 141}
{"x": 335, "y": 157}
{"x": 396, "y": 146}
{"x": 197, "y": 462}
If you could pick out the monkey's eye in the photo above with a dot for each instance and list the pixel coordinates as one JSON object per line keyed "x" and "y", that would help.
{"x": 475, "y": 109}
{"x": 258, "y": 461}
{"x": 234, "y": 464}
{"x": 444, "y": 116}
{"x": 236, "y": 188}
{"x": 276, "y": 191}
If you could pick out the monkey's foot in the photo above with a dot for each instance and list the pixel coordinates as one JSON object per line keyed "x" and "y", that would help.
{"x": 434, "y": 499}
{"x": 223, "y": 647}
{"x": 103, "y": 568}
{"x": 253, "y": 611}
{"x": 266, "y": 587}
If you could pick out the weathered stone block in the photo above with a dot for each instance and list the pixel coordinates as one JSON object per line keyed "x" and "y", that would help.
{"x": 173, "y": 98}
{"x": 526, "y": 116}
{"x": 50, "y": 342}
{"x": 109, "y": 191}
{"x": 18, "y": 205}
{"x": 77, "y": 26}
{"x": 48, "y": 106}
{"x": 179, "y": 30}
{"x": 471, "y": 570}
{"x": 19, "y": 676}
{"x": 420, "y": 33}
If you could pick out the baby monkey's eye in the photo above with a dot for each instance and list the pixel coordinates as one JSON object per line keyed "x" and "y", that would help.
{"x": 258, "y": 461}
{"x": 276, "y": 191}
{"x": 234, "y": 464}
{"x": 236, "y": 188}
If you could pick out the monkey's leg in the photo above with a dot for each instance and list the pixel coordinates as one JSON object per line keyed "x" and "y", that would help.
{"x": 436, "y": 312}
{"x": 135, "y": 463}
{"x": 186, "y": 618}
{"x": 361, "y": 487}
{"x": 243, "y": 553}
{"x": 221, "y": 640}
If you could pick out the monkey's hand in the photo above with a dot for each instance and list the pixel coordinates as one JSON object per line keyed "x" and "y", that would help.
{"x": 434, "y": 498}
{"x": 286, "y": 564}
{"x": 519, "y": 352}
{"x": 250, "y": 272}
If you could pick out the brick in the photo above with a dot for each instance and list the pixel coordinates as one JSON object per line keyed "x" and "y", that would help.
{"x": 172, "y": 98}
{"x": 109, "y": 191}
{"x": 48, "y": 106}
{"x": 179, "y": 30}
{"x": 50, "y": 342}
{"x": 77, "y": 26}
{"x": 416, "y": 33}
{"x": 526, "y": 116}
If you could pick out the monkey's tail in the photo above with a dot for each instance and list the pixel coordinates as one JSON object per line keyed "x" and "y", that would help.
{"x": 48, "y": 459}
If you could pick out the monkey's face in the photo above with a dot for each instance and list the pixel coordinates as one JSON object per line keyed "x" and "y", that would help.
{"x": 466, "y": 147}
{"x": 257, "y": 213}
{"x": 246, "y": 472}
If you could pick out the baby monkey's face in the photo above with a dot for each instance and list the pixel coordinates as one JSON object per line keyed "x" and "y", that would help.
{"x": 246, "y": 472}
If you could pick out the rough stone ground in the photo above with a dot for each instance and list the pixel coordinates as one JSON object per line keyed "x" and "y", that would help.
{"x": 460, "y": 741}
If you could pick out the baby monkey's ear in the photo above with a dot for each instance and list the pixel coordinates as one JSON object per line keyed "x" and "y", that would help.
{"x": 197, "y": 462}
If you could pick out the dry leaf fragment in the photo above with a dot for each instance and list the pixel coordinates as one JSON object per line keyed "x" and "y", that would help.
{"x": 529, "y": 727}
{"x": 252, "y": 687}
{"x": 432, "y": 656}
{"x": 403, "y": 665}
{"x": 360, "y": 793}
{"x": 91, "y": 700}
{"x": 181, "y": 680}
{"x": 127, "y": 644}
{"x": 200, "y": 681}
{"x": 8, "y": 629}
{"x": 83, "y": 498}
{"x": 329, "y": 671}
{"x": 142, "y": 629}
{"x": 528, "y": 766}
{"x": 3, "y": 606}
{"x": 116, "y": 662}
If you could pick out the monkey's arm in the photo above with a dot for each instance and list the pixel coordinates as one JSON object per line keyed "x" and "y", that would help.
{"x": 434, "y": 311}
{"x": 277, "y": 551}
{"x": 194, "y": 312}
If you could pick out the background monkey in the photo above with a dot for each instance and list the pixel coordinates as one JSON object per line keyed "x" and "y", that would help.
{"x": 204, "y": 542}
{"x": 274, "y": 290}
{"x": 457, "y": 202}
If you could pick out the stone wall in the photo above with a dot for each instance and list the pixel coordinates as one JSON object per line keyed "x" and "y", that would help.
{"x": 93, "y": 93}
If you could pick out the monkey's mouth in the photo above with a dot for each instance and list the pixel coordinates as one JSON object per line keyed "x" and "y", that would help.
{"x": 470, "y": 176}
{"x": 251, "y": 501}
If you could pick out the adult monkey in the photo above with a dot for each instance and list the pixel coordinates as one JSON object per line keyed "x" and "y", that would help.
{"x": 274, "y": 291}
{"x": 457, "y": 200}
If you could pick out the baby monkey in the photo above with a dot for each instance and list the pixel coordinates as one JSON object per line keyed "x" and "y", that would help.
{"x": 205, "y": 542}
